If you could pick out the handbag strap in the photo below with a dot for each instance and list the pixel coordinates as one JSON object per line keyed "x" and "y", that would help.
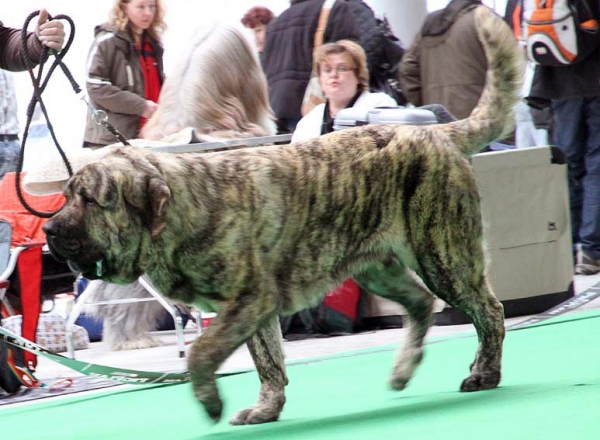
{"x": 322, "y": 24}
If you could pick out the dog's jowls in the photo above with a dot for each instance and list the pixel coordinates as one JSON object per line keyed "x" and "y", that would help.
{"x": 266, "y": 231}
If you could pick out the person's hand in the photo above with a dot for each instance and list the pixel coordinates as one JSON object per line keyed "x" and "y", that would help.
{"x": 50, "y": 33}
{"x": 151, "y": 107}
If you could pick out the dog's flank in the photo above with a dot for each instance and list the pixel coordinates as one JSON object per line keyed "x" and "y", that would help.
{"x": 259, "y": 232}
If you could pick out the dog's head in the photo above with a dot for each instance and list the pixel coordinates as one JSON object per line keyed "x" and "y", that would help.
{"x": 113, "y": 207}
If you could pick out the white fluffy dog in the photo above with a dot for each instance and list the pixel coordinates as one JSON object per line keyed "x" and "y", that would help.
{"x": 217, "y": 88}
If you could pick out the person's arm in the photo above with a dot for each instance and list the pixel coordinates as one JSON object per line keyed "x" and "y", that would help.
{"x": 47, "y": 33}
{"x": 410, "y": 73}
{"x": 11, "y": 56}
{"x": 309, "y": 126}
{"x": 101, "y": 90}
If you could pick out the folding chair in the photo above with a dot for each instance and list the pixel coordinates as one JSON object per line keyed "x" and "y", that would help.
{"x": 22, "y": 362}
{"x": 22, "y": 235}
{"x": 5, "y": 257}
{"x": 8, "y": 261}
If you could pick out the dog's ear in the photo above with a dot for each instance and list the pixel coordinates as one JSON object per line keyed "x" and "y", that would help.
{"x": 158, "y": 194}
{"x": 145, "y": 188}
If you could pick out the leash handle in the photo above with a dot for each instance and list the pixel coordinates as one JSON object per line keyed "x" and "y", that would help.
{"x": 38, "y": 88}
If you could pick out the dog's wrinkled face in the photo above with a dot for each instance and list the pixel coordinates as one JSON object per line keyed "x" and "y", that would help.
{"x": 110, "y": 207}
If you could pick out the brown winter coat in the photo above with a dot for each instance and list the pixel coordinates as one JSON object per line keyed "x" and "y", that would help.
{"x": 10, "y": 49}
{"x": 448, "y": 67}
{"x": 115, "y": 84}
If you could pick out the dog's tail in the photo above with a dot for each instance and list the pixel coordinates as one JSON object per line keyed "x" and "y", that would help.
{"x": 493, "y": 117}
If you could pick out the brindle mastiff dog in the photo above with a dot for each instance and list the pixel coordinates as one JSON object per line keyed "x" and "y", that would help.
{"x": 265, "y": 231}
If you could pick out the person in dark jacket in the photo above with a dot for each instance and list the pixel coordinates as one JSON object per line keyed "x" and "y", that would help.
{"x": 288, "y": 49}
{"x": 446, "y": 63}
{"x": 573, "y": 92}
{"x": 47, "y": 33}
{"x": 125, "y": 70}
{"x": 256, "y": 19}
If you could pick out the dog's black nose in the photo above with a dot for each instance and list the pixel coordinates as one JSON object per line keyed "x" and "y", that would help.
{"x": 50, "y": 228}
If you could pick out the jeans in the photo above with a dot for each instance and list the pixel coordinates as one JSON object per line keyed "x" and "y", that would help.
{"x": 577, "y": 134}
{"x": 9, "y": 156}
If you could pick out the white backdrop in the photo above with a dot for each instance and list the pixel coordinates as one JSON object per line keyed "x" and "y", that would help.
{"x": 183, "y": 17}
{"x": 67, "y": 112}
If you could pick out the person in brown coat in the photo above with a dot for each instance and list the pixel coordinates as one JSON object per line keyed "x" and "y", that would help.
{"x": 47, "y": 33}
{"x": 446, "y": 63}
{"x": 125, "y": 70}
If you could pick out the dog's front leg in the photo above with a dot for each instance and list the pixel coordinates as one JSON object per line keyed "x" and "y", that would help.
{"x": 235, "y": 323}
{"x": 267, "y": 353}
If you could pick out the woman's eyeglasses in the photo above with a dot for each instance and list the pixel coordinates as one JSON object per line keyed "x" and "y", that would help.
{"x": 339, "y": 70}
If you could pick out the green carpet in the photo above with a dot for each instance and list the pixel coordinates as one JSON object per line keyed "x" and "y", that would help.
{"x": 550, "y": 390}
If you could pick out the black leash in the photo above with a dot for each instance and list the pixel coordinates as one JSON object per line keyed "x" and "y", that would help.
{"x": 39, "y": 86}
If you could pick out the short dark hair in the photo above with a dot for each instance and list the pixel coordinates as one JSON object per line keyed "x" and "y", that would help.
{"x": 256, "y": 16}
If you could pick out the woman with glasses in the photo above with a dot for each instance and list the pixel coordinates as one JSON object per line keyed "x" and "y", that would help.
{"x": 344, "y": 78}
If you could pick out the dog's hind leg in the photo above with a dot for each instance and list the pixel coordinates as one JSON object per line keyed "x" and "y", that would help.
{"x": 487, "y": 315}
{"x": 459, "y": 278}
{"x": 267, "y": 353}
{"x": 394, "y": 281}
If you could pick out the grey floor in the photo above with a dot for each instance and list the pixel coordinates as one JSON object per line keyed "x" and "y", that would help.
{"x": 165, "y": 357}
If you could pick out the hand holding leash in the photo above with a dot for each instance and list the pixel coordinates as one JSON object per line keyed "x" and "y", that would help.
{"x": 51, "y": 33}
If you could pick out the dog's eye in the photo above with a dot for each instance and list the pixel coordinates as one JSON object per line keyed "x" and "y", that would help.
{"x": 87, "y": 200}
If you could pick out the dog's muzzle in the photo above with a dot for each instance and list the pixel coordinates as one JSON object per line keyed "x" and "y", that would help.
{"x": 74, "y": 251}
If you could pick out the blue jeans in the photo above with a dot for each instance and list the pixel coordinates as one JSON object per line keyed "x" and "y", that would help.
{"x": 577, "y": 134}
{"x": 9, "y": 156}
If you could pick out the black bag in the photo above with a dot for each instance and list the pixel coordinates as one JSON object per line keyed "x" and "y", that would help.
{"x": 385, "y": 76}
{"x": 384, "y": 51}
{"x": 57, "y": 278}
{"x": 8, "y": 380}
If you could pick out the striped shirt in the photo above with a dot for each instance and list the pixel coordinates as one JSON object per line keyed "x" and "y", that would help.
{"x": 9, "y": 122}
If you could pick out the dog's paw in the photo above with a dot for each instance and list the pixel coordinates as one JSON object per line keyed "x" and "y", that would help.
{"x": 208, "y": 396}
{"x": 214, "y": 409}
{"x": 399, "y": 383}
{"x": 405, "y": 367}
{"x": 143, "y": 341}
{"x": 480, "y": 381}
{"x": 254, "y": 415}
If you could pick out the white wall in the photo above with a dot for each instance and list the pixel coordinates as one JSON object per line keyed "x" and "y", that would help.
{"x": 405, "y": 16}
{"x": 67, "y": 113}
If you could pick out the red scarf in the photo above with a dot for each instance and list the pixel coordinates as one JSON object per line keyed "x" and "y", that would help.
{"x": 150, "y": 71}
